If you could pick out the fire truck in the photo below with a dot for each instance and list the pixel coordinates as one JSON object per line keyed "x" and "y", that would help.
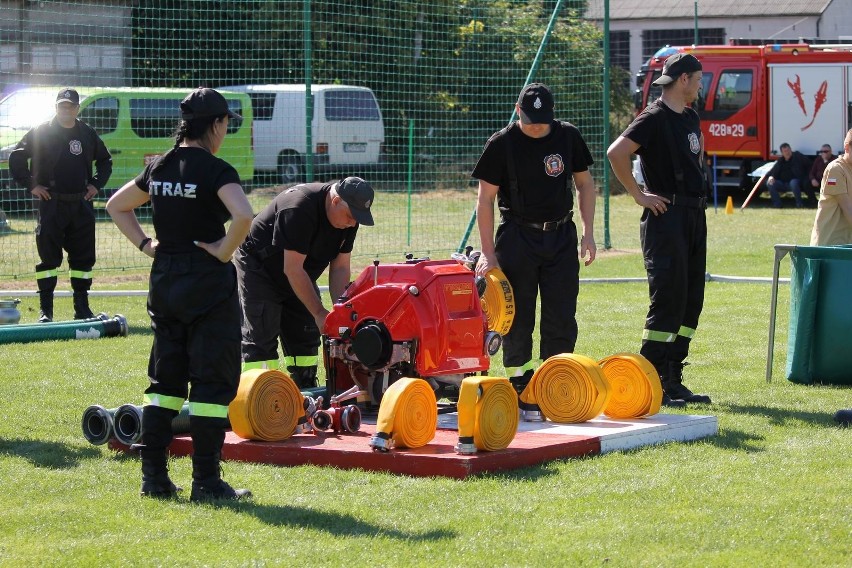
{"x": 756, "y": 97}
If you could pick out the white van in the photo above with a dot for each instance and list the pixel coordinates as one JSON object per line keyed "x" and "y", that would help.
{"x": 347, "y": 130}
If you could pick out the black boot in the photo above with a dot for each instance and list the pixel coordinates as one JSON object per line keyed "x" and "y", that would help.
{"x": 668, "y": 399}
{"x": 207, "y": 482}
{"x": 304, "y": 377}
{"x": 156, "y": 438}
{"x": 81, "y": 298}
{"x": 672, "y": 402}
{"x": 520, "y": 383}
{"x": 45, "y": 300}
{"x": 208, "y": 436}
{"x": 155, "y": 474}
{"x": 674, "y": 387}
{"x": 46, "y": 286}
{"x": 844, "y": 417}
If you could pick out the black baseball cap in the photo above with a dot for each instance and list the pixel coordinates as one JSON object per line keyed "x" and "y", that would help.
{"x": 68, "y": 95}
{"x": 536, "y": 104}
{"x": 358, "y": 195}
{"x": 204, "y": 102}
{"x": 676, "y": 65}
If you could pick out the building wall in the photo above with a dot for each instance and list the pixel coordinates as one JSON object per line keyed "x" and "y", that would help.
{"x": 53, "y": 44}
{"x": 764, "y": 28}
{"x": 836, "y": 21}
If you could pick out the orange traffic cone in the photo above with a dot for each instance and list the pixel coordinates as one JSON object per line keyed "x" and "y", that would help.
{"x": 729, "y": 206}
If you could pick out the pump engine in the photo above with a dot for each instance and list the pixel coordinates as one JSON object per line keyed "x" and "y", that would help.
{"x": 422, "y": 318}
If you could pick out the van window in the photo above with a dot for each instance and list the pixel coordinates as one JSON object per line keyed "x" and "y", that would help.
{"x": 158, "y": 118}
{"x": 350, "y": 105}
{"x": 101, "y": 114}
{"x": 262, "y": 105}
{"x": 154, "y": 118}
{"x": 24, "y": 109}
{"x": 733, "y": 91}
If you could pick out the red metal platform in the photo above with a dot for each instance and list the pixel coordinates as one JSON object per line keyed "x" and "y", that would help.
{"x": 535, "y": 443}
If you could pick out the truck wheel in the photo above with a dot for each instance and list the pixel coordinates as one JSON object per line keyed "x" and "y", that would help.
{"x": 290, "y": 169}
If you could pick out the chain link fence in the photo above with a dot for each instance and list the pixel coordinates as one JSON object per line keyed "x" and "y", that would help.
{"x": 403, "y": 93}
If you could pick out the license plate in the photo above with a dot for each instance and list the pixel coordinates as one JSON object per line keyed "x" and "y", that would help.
{"x": 355, "y": 147}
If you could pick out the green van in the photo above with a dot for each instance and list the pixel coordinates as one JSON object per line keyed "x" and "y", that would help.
{"x": 136, "y": 124}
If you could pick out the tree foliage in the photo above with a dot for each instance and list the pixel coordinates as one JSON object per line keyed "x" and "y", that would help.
{"x": 453, "y": 67}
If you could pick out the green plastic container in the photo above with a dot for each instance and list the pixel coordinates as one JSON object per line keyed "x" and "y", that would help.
{"x": 818, "y": 349}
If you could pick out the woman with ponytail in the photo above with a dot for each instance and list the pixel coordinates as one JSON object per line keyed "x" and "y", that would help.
{"x": 192, "y": 296}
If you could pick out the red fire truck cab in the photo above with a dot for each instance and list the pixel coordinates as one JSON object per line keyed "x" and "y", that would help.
{"x": 754, "y": 98}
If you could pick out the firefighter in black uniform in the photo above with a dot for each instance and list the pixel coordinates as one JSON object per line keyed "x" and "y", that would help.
{"x": 673, "y": 230}
{"x": 192, "y": 297}
{"x": 528, "y": 167}
{"x": 303, "y": 231}
{"x": 61, "y": 152}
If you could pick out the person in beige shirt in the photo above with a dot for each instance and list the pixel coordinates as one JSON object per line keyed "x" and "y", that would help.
{"x": 833, "y": 223}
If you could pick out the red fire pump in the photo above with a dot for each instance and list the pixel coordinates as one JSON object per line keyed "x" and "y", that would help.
{"x": 421, "y": 318}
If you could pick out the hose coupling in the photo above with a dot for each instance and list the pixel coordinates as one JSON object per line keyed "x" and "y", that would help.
{"x": 532, "y": 416}
{"x": 381, "y": 442}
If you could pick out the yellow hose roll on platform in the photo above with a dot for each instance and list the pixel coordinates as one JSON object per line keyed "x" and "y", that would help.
{"x": 498, "y": 302}
{"x": 635, "y": 386}
{"x": 267, "y": 407}
{"x": 488, "y": 413}
{"x": 568, "y": 388}
{"x": 408, "y": 413}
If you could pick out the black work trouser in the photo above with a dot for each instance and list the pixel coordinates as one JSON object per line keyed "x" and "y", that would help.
{"x": 270, "y": 313}
{"x": 674, "y": 245}
{"x": 68, "y": 225}
{"x": 540, "y": 261}
{"x": 195, "y": 315}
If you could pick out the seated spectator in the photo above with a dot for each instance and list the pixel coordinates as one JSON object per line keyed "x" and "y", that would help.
{"x": 788, "y": 174}
{"x": 818, "y": 168}
{"x": 833, "y": 223}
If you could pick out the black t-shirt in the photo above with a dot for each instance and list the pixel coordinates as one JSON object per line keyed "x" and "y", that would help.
{"x": 184, "y": 198}
{"x": 71, "y": 172}
{"x": 649, "y": 131}
{"x": 543, "y": 166}
{"x": 296, "y": 220}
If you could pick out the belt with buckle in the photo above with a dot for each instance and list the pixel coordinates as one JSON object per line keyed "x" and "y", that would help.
{"x": 67, "y": 196}
{"x": 546, "y": 225}
{"x": 686, "y": 201}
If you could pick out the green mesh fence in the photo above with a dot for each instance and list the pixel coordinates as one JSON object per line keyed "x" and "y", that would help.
{"x": 403, "y": 93}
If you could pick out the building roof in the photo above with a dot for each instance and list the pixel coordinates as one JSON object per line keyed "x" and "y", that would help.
{"x": 670, "y": 9}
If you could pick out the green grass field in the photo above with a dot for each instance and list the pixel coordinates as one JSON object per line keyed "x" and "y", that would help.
{"x": 433, "y": 223}
{"x": 773, "y": 488}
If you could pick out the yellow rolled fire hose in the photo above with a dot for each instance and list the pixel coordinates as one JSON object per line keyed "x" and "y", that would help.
{"x": 498, "y": 302}
{"x": 635, "y": 386}
{"x": 267, "y": 407}
{"x": 488, "y": 414}
{"x": 568, "y": 388}
{"x": 408, "y": 416}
